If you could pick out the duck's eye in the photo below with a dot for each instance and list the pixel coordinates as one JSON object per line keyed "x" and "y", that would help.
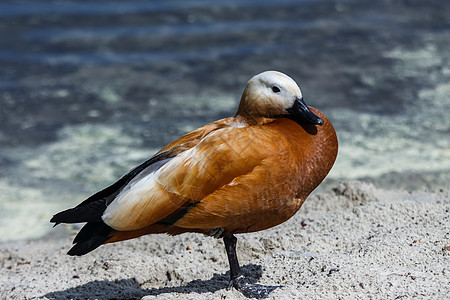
{"x": 275, "y": 89}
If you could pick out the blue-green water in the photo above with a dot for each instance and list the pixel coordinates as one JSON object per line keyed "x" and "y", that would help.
{"x": 88, "y": 89}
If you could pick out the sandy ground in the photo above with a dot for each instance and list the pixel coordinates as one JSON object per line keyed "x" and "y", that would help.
{"x": 354, "y": 242}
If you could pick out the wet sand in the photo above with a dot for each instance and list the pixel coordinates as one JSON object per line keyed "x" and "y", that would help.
{"x": 353, "y": 242}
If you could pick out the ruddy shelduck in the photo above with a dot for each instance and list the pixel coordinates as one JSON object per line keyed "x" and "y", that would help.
{"x": 236, "y": 175}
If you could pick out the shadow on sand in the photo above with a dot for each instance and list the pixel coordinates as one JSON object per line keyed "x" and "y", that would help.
{"x": 131, "y": 289}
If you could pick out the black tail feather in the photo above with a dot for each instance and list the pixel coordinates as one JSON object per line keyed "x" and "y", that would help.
{"x": 91, "y": 212}
{"x": 90, "y": 237}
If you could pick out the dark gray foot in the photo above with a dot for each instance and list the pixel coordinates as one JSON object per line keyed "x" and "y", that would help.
{"x": 251, "y": 290}
{"x": 238, "y": 281}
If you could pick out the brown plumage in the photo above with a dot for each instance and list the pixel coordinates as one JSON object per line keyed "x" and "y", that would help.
{"x": 256, "y": 181}
{"x": 236, "y": 175}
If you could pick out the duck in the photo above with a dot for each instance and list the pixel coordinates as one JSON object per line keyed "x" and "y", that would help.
{"x": 236, "y": 175}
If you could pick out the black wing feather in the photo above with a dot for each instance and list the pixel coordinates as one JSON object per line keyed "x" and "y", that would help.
{"x": 96, "y": 232}
{"x": 91, "y": 209}
{"x": 90, "y": 237}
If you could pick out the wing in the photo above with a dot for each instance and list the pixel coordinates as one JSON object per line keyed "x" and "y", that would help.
{"x": 217, "y": 159}
{"x": 93, "y": 208}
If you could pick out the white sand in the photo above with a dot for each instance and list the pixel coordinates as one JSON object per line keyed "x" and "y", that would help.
{"x": 355, "y": 242}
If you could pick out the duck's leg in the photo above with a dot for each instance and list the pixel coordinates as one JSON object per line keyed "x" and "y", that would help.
{"x": 237, "y": 280}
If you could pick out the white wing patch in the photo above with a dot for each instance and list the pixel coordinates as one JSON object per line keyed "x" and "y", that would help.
{"x": 124, "y": 212}
{"x": 144, "y": 200}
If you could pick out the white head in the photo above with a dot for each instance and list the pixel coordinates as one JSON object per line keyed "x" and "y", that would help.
{"x": 274, "y": 94}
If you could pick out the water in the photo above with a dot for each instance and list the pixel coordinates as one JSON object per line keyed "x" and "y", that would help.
{"x": 88, "y": 89}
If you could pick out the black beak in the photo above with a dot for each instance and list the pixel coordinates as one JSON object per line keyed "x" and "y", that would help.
{"x": 301, "y": 110}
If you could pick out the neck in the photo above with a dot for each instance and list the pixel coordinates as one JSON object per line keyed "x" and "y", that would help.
{"x": 252, "y": 120}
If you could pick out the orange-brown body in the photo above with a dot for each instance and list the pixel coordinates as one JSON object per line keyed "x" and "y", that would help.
{"x": 243, "y": 175}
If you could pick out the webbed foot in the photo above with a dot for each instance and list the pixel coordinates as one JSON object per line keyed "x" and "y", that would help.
{"x": 251, "y": 290}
